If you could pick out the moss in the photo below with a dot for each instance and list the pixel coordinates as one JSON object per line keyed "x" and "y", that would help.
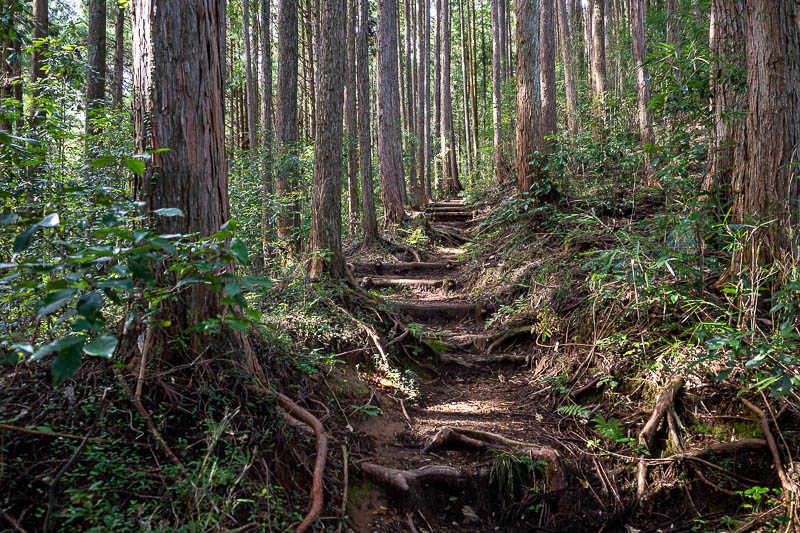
{"x": 739, "y": 430}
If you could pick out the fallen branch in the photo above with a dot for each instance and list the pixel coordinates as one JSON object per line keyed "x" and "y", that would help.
{"x": 647, "y": 434}
{"x": 54, "y": 434}
{"x": 508, "y": 334}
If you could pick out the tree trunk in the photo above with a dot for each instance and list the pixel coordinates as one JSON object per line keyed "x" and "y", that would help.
{"x": 326, "y": 219}
{"x": 427, "y": 69}
{"x": 673, "y": 34}
{"x": 599, "y": 57}
{"x": 389, "y": 135}
{"x": 452, "y": 184}
{"x": 350, "y": 115}
{"x": 119, "y": 57}
{"x": 465, "y": 82}
{"x": 505, "y": 64}
{"x": 183, "y": 113}
{"x": 567, "y": 58}
{"x": 548, "y": 72}
{"x": 250, "y": 81}
{"x": 420, "y": 129}
{"x": 369, "y": 221}
{"x": 286, "y": 119}
{"x": 96, "y": 59}
{"x": 642, "y": 81}
{"x": 41, "y": 27}
{"x": 586, "y": 7}
{"x": 765, "y": 177}
{"x": 497, "y": 96}
{"x": 726, "y": 41}
{"x": 437, "y": 89}
{"x": 266, "y": 125}
{"x": 11, "y": 70}
{"x": 411, "y": 103}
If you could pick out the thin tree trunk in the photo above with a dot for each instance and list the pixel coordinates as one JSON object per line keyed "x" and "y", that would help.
{"x": 599, "y": 57}
{"x": 427, "y": 68}
{"x": 642, "y": 82}
{"x": 119, "y": 57}
{"x": 449, "y": 165}
{"x": 474, "y": 86}
{"x": 250, "y": 81}
{"x": 548, "y": 72}
{"x": 41, "y": 27}
{"x": 185, "y": 114}
{"x": 411, "y": 103}
{"x": 369, "y": 222}
{"x": 286, "y": 119}
{"x": 586, "y": 6}
{"x": 96, "y": 63}
{"x": 497, "y": 98}
{"x": 465, "y": 82}
{"x": 420, "y": 79}
{"x": 326, "y": 220}
{"x": 437, "y": 90}
{"x": 567, "y": 58}
{"x": 266, "y": 125}
{"x": 389, "y": 134}
{"x": 350, "y": 115}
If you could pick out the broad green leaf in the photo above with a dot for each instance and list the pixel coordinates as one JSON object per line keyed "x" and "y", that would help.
{"x": 169, "y": 212}
{"x": 239, "y": 250}
{"x": 50, "y": 221}
{"x": 56, "y": 345}
{"x": 782, "y": 387}
{"x": 65, "y": 364}
{"x": 261, "y": 281}
{"x": 135, "y": 165}
{"x": 232, "y": 289}
{"x": 54, "y": 300}
{"x": 89, "y": 304}
{"x": 140, "y": 271}
{"x": 8, "y": 218}
{"x": 102, "y": 346}
{"x": 23, "y": 240}
{"x": 122, "y": 284}
{"x": 102, "y": 161}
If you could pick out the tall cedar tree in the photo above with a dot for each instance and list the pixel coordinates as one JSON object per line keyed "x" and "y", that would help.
{"x": 452, "y": 184}
{"x": 96, "y": 56}
{"x": 548, "y": 72}
{"x": 568, "y": 61}
{"x": 182, "y": 110}
{"x": 119, "y": 58}
{"x": 369, "y": 222}
{"x": 642, "y": 79}
{"x": 250, "y": 79}
{"x": 497, "y": 96}
{"x": 351, "y": 138}
{"x": 41, "y": 27}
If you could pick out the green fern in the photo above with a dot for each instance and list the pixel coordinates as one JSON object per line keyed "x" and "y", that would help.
{"x": 574, "y": 410}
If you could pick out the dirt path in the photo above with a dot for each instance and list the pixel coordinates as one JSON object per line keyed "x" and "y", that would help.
{"x": 476, "y": 385}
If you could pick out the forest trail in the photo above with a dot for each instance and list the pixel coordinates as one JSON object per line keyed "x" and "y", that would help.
{"x": 477, "y": 383}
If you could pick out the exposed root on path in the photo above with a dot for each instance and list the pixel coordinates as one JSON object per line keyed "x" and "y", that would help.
{"x": 648, "y": 433}
{"x": 404, "y": 480}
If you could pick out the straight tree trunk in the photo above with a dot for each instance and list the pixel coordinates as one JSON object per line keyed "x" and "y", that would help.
{"x": 452, "y": 184}
{"x": 497, "y": 97}
{"x": 586, "y": 6}
{"x": 427, "y": 69}
{"x": 41, "y": 27}
{"x": 350, "y": 115}
{"x": 309, "y": 49}
{"x": 642, "y": 81}
{"x": 389, "y": 135}
{"x": 465, "y": 83}
{"x": 765, "y": 178}
{"x": 185, "y": 114}
{"x": 286, "y": 118}
{"x": 420, "y": 79}
{"x": 437, "y": 89}
{"x": 548, "y": 72}
{"x": 726, "y": 41}
{"x": 266, "y": 126}
{"x": 567, "y": 58}
{"x": 369, "y": 222}
{"x": 119, "y": 57}
{"x": 326, "y": 219}
{"x": 250, "y": 80}
{"x": 411, "y": 102}
{"x": 474, "y": 86}
{"x": 599, "y": 57}
{"x": 673, "y": 31}
{"x": 96, "y": 59}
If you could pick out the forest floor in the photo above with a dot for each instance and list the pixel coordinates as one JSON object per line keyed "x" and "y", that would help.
{"x": 490, "y": 442}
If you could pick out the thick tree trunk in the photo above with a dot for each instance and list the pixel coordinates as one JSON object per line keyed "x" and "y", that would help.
{"x": 497, "y": 95}
{"x": 182, "y": 109}
{"x": 765, "y": 179}
{"x": 326, "y": 219}
{"x": 599, "y": 56}
{"x": 726, "y": 40}
{"x": 369, "y": 223}
{"x": 642, "y": 80}
{"x": 452, "y": 184}
{"x": 41, "y": 27}
{"x": 96, "y": 59}
{"x": 250, "y": 80}
{"x": 286, "y": 118}
{"x": 389, "y": 135}
{"x": 548, "y": 72}
{"x": 266, "y": 126}
{"x": 567, "y": 58}
{"x": 119, "y": 57}
{"x": 350, "y": 115}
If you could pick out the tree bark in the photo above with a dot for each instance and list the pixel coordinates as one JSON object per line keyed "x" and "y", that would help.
{"x": 250, "y": 81}
{"x": 411, "y": 102}
{"x": 765, "y": 175}
{"x": 41, "y": 27}
{"x": 389, "y": 135}
{"x": 369, "y": 223}
{"x": 266, "y": 126}
{"x": 119, "y": 57}
{"x": 452, "y": 184}
{"x": 286, "y": 119}
{"x": 497, "y": 95}
{"x": 178, "y": 70}
{"x": 96, "y": 59}
{"x": 567, "y": 58}
{"x": 437, "y": 89}
{"x": 642, "y": 81}
{"x": 350, "y": 115}
{"x": 548, "y": 72}
{"x": 465, "y": 86}
{"x": 427, "y": 73}
{"x": 599, "y": 57}
{"x": 326, "y": 219}
{"x": 421, "y": 112}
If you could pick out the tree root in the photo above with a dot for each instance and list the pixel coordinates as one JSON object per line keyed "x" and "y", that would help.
{"x": 647, "y": 434}
{"x": 508, "y": 334}
{"x": 403, "y": 480}
{"x": 485, "y": 440}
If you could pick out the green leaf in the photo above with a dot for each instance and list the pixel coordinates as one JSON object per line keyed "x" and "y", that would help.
{"x": 782, "y": 387}
{"x": 122, "y": 284}
{"x": 102, "y": 161}
{"x": 56, "y": 346}
{"x": 261, "y": 281}
{"x": 140, "y": 271}
{"x": 232, "y": 289}
{"x": 65, "y": 365}
{"x": 53, "y": 301}
{"x": 23, "y": 240}
{"x": 169, "y": 212}
{"x": 50, "y": 221}
{"x": 239, "y": 250}
{"x": 89, "y": 304}
{"x": 135, "y": 165}
{"x": 102, "y": 346}
{"x": 8, "y": 218}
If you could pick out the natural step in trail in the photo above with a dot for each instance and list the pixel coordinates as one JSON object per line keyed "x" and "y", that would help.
{"x": 434, "y": 457}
